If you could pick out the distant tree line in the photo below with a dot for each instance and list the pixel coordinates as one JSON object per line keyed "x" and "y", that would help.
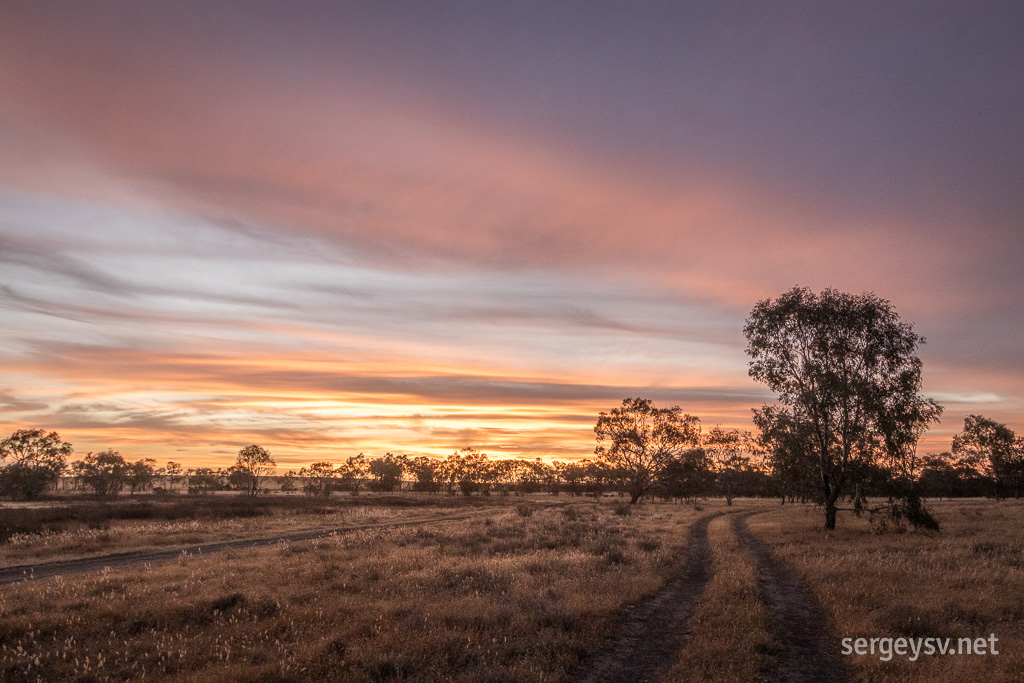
{"x": 642, "y": 451}
{"x": 846, "y": 424}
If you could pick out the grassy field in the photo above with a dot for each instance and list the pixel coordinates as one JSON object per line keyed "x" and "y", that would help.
{"x": 521, "y": 590}
{"x": 84, "y": 529}
{"x": 520, "y": 594}
{"x": 966, "y": 581}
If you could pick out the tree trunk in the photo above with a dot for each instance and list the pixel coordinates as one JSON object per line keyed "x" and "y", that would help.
{"x": 636, "y": 497}
{"x": 830, "y": 515}
{"x": 859, "y": 500}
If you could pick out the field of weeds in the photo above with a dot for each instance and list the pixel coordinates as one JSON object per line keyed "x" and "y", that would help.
{"x": 966, "y": 581}
{"x": 520, "y": 594}
{"x": 83, "y": 529}
{"x": 533, "y": 590}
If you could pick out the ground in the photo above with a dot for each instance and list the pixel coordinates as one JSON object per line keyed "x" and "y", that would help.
{"x": 539, "y": 588}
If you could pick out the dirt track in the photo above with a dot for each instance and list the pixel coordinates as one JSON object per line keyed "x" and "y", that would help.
{"x": 653, "y": 632}
{"x": 649, "y": 639}
{"x": 808, "y": 652}
{"x": 43, "y": 570}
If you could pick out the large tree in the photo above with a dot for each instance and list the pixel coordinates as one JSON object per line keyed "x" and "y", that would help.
{"x": 36, "y": 462}
{"x": 994, "y": 448}
{"x": 640, "y": 440}
{"x": 847, "y": 373}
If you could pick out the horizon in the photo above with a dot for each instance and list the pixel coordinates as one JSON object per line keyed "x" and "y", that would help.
{"x": 390, "y": 227}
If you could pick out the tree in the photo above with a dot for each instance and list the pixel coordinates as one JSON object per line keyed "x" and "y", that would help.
{"x": 641, "y": 440}
{"x": 426, "y": 471}
{"x": 203, "y": 480}
{"x": 173, "y": 473}
{"x": 103, "y": 473}
{"x": 37, "y": 461}
{"x": 847, "y": 374}
{"x": 140, "y": 475}
{"x": 352, "y": 471}
{"x": 992, "y": 447}
{"x": 788, "y": 443}
{"x": 288, "y": 481}
{"x": 252, "y": 467}
{"x": 726, "y": 448}
{"x": 688, "y": 476}
{"x": 318, "y": 479}
{"x": 387, "y": 471}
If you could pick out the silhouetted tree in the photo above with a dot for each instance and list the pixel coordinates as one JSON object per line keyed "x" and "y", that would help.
{"x": 726, "y": 449}
{"x": 287, "y": 484}
{"x": 688, "y": 476}
{"x": 203, "y": 480}
{"x": 352, "y": 472}
{"x": 945, "y": 475}
{"x": 847, "y": 367}
{"x": 140, "y": 475}
{"x": 318, "y": 479}
{"x": 992, "y": 447}
{"x": 426, "y": 470}
{"x": 641, "y": 440}
{"x": 252, "y": 467}
{"x": 387, "y": 471}
{"x": 173, "y": 473}
{"x": 36, "y": 462}
{"x": 573, "y": 475}
{"x": 790, "y": 457}
{"x": 103, "y": 473}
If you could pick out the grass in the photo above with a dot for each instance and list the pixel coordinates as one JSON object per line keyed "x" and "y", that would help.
{"x": 92, "y": 528}
{"x": 965, "y": 581}
{"x": 521, "y": 595}
{"x": 522, "y": 591}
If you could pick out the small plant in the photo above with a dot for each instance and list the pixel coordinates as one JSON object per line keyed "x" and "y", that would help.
{"x": 524, "y": 510}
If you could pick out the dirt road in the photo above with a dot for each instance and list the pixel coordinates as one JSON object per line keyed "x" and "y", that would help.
{"x": 43, "y": 570}
{"x": 809, "y": 652}
{"x": 652, "y": 634}
{"x": 649, "y": 639}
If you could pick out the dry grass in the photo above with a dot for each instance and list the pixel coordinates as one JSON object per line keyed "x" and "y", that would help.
{"x": 965, "y": 581}
{"x": 522, "y": 595}
{"x": 73, "y": 540}
{"x": 729, "y": 633}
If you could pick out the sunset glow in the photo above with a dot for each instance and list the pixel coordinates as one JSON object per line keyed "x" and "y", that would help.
{"x": 380, "y": 227}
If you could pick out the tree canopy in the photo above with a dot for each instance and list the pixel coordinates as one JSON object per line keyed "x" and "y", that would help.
{"x": 847, "y": 375}
{"x": 252, "y": 467}
{"x": 37, "y": 460}
{"x": 641, "y": 440}
{"x": 994, "y": 448}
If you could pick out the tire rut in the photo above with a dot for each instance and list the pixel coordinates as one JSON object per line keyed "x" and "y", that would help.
{"x": 646, "y": 644}
{"x": 45, "y": 570}
{"x": 808, "y": 651}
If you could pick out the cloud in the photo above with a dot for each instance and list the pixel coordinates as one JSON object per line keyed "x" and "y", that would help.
{"x": 222, "y": 225}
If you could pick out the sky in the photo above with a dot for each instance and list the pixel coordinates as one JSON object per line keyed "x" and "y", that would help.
{"x": 413, "y": 227}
